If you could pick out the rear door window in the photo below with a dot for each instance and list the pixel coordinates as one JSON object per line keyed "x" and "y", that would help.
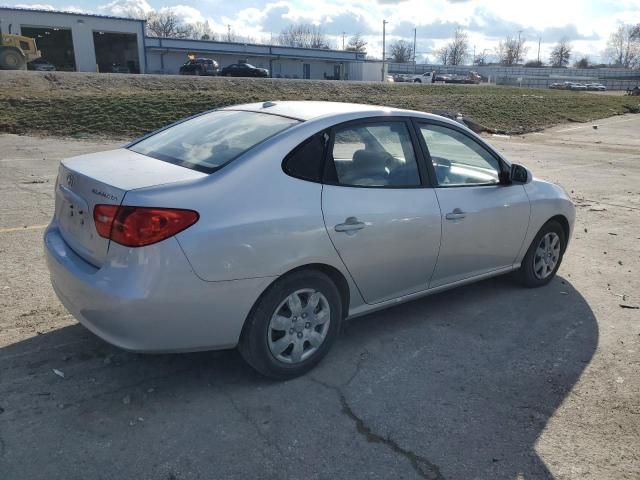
{"x": 210, "y": 141}
{"x": 376, "y": 154}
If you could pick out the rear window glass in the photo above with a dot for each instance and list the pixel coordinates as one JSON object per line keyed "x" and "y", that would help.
{"x": 208, "y": 142}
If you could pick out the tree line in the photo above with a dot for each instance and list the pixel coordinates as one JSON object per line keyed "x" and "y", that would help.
{"x": 623, "y": 50}
{"x": 168, "y": 24}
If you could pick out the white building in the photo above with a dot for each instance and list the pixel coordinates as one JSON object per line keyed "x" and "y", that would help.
{"x": 80, "y": 42}
{"x": 96, "y": 43}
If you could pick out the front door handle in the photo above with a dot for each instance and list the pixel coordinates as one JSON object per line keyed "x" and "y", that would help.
{"x": 351, "y": 224}
{"x": 457, "y": 214}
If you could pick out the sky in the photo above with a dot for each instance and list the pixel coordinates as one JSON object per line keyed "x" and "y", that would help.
{"x": 586, "y": 23}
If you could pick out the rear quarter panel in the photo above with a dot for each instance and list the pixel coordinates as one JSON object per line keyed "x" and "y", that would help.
{"x": 255, "y": 221}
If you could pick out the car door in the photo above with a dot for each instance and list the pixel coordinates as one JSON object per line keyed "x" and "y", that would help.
{"x": 382, "y": 218}
{"x": 484, "y": 220}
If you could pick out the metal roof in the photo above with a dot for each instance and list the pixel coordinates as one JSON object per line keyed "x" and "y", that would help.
{"x": 62, "y": 12}
{"x": 254, "y": 49}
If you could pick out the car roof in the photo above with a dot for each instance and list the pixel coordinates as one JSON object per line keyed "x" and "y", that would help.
{"x": 309, "y": 110}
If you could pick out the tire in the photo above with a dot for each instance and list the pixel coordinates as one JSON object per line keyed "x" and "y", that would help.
{"x": 291, "y": 338}
{"x": 417, "y": 80}
{"x": 539, "y": 268}
{"x": 10, "y": 59}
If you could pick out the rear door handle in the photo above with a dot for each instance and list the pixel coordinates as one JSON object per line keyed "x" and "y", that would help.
{"x": 351, "y": 224}
{"x": 457, "y": 214}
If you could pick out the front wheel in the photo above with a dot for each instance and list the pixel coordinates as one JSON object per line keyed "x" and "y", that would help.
{"x": 11, "y": 59}
{"x": 544, "y": 256}
{"x": 292, "y": 326}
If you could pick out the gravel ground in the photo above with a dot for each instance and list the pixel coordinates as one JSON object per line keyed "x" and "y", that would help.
{"x": 489, "y": 381}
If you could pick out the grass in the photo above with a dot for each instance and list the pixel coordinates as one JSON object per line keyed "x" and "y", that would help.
{"x": 122, "y": 106}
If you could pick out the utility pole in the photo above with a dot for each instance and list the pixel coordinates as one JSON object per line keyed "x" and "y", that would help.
{"x": 539, "y": 39}
{"x": 228, "y": 32}
{"x": 384, "y": 33}
{"x": 473, "y": 60}
{"x": 414, "y": 50}
{"x": 343, "y": 34}
{"x": 518, "y": 50}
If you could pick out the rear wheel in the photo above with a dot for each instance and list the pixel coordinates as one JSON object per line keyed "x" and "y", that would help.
{"x": 11, "y": 59}
{"x": 293, "y": 325}
{"x": 544, "y": 256}
{"x": 417, "y": 80}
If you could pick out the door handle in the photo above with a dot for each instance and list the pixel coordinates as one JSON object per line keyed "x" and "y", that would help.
{"x": 351, "y": 224}
{"x": 457, "y": 214}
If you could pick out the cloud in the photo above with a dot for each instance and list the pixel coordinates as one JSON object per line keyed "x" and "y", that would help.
{"x": 36, "y": 6}
{"x": 127, "y": 8}
{"x": 185, "y": 13}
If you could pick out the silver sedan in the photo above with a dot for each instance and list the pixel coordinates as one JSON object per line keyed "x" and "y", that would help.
{"x": 264, "y": 226}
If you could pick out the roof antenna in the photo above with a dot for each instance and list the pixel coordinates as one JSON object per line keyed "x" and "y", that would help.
{"x": 268, "y": 104}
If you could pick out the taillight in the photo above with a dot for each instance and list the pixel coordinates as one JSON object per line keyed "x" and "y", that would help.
{"x": 103, "y": 216}
{"x": 140, "y": 226}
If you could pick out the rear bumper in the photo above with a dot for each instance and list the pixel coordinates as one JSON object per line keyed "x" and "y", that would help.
{"x": 148, "y": 299}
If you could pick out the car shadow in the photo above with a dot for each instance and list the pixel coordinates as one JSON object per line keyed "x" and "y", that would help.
{"x": 457, "y": 385}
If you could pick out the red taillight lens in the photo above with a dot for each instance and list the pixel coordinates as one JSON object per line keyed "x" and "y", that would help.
{"x": 103, "y": 216}
{"x": 140, "y": 226}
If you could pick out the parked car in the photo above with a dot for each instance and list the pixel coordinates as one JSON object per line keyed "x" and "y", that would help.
{"x": 469, "y": 78}
{"x": 119, "y": 68}
{"x": 577, "y": 86}
{"x": 558, "y": 86}
{"x": 41, "y": 65}
{"x": 596, "y": 87}
{"x": 389, "y": 79}
{"x": 200, "y": 66}
{"x": 243, "y": 70}
{"x": 634, "y": 92}
{"x": 426, "y": 77}
{"x": 264, "y": 226}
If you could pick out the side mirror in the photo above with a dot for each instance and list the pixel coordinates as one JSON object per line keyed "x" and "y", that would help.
{"x": 519, "y": 174}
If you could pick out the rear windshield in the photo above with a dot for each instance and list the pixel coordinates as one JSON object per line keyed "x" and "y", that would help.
{"x": 208, "y": 142}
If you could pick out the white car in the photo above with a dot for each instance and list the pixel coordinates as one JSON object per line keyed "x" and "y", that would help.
{"x": 426, "y": 77}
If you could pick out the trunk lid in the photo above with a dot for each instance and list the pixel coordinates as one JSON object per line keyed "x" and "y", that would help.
{"x": 104, "y": 178}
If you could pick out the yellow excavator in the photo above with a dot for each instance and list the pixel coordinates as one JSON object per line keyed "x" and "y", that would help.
{"x": 16, "y": 51}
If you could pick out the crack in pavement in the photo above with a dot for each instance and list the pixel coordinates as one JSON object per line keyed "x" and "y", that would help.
{"x": 251, "y": 421}
{"x": 420, "y": 464}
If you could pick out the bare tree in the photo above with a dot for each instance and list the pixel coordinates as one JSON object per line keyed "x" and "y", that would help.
{"x": 583, "y": 62}
{"x": 401, "y": 51}
{"x": 357, "y": 44}
{"x": 167, "y": 24}
{"x": 511, "y": 51}
{"x": 230, "y": 36}
{"x": 457, "y": 50}
{"x": 202, "y": 31}
{"x": 442, "y": 55}
{"x": 481, "y": 58}
{"x": 623, "y": 47}
{"x": 561, "y": 53}
{"x": 303, "y": 35}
